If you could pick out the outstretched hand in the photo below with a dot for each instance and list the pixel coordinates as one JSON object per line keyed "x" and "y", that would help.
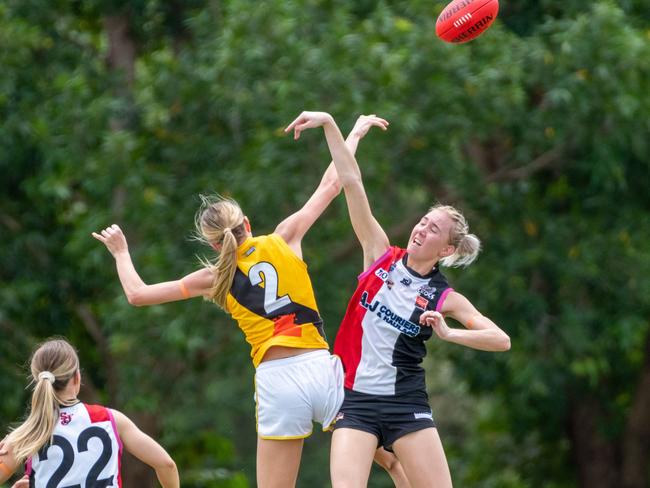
{"x": 113, "y": 238}
{"x": 308, "y": 120}
{"x": 365, "y": 122}
{"x": 436, "y": 321}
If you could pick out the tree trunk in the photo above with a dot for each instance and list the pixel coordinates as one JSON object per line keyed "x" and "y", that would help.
{"x": 595, "y": 456}
{"x": 121, "y": 60}
{"x": 636, "y": 442}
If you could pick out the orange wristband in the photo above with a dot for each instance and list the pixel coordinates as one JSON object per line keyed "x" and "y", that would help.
{"x": 6, "y": 469}
{"x": 186, "y": 294}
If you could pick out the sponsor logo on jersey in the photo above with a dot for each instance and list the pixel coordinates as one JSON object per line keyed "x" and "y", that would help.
{"x": 406, "y": 281}
{"x": 423, "y": 415}
{"x": 427, "y": 292}
{"x": 391, "y": 318}
{"x": 421, "y": 302}
{"x": 249, "y": 251}
{"x": 65, "y": 418}
{"x": 382, "y": 274}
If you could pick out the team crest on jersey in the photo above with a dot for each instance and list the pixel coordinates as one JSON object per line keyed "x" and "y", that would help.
{"x": 406, "y": 281}
{"x": 65, "y": 418}
{"x": 427, "y": 291}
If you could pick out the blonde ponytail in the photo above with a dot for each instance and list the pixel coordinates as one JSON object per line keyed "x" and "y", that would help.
{"x": 467, "y": 246}
{"x": 53, "y": 365}
{"x": 220, "y": 221}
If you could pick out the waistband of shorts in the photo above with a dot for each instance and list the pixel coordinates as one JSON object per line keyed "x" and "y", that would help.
{"x": 300, "y": 358}
{"x": 412, "y": 396}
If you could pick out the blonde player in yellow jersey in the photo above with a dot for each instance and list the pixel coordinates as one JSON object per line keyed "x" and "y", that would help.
{"x": 263, "y": 283}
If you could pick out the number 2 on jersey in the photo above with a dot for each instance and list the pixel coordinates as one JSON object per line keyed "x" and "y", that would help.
{"x": 265, "y": 272}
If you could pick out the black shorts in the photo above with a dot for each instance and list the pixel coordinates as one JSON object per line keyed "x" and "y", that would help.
{"x": 386, "y": 417}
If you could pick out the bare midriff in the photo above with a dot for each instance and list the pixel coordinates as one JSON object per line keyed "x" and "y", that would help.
{"x": 280, "y": 352}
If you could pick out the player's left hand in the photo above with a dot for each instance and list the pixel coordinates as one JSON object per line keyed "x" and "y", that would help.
{"x": 436, "y": 321}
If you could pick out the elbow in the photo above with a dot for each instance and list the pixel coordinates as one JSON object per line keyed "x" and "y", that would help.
{"x": 136, "y": 299}
{"x": 167, "y": 465}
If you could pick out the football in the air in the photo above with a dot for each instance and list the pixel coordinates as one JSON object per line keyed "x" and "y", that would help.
{"x": 464, "y": 20}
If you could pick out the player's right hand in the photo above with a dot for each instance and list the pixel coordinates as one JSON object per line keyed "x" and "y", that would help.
{"x": 113, "y": 239}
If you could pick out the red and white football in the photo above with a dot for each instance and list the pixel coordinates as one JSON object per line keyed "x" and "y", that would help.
{"x": 463, "y": 20}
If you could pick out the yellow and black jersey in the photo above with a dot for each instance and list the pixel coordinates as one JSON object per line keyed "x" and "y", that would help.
{"x": 272, "y": 298}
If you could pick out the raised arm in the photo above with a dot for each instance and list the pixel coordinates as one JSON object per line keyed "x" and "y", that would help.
{"x": 372, "y": 237}
{"x": 147, "y": 450}
{"x": 293, "y": 228}
{"x": 481, "y": 333}
{"x": 139, "y": 293}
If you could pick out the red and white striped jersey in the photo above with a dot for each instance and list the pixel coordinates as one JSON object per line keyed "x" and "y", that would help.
{"x": 380, "y": 341}
{"x": 85, "y": 452}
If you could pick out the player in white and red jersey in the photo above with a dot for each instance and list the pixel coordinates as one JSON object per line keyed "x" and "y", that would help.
{"x": 65, "y": 442}
{"x": 401, "y": 299}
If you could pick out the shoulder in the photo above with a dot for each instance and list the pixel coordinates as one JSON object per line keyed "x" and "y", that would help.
{"x": 122, "y": 422}
{"x": 391, "y": 254}
{"x": 455, "y": 302}
{"x": 97, "y": 413}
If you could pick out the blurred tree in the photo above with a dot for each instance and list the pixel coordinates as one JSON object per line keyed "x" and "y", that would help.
{"x": 125, "y": 111}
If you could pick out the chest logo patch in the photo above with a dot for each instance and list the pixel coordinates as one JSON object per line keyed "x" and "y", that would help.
{"x": 421, "y": 302}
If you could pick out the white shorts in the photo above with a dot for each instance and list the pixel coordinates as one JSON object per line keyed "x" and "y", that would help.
{"x": 293, "y": 392}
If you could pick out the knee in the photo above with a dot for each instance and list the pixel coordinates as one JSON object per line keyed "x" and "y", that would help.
{"x": 391, "y": 463}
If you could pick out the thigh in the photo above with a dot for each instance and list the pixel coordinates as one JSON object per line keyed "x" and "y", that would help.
{"x": 278, "y": 462}
{"x": 423, "y": 459}
{"x": 351, "y": 457}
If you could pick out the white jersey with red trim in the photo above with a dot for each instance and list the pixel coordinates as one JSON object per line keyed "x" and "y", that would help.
{"x": 85, "y": 452}
{"x": 380, "y": 341}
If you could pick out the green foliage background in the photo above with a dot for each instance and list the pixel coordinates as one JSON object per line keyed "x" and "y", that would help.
{"x": 538, "y": 130}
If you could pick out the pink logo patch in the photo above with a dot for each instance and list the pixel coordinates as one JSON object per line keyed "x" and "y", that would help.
{"x": 421, "y": 302}
{"x": 65, "y": 418}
